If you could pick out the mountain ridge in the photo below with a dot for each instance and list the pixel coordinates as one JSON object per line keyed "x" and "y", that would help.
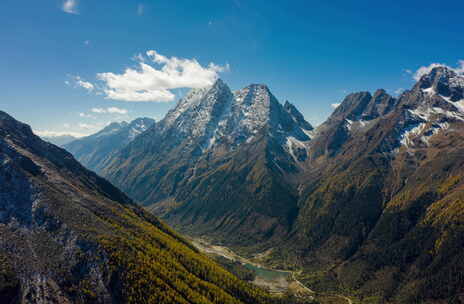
{"x": 353, "y": 199}
{"x": 368, "y": 211}
{"x": 69, "y": 236}
{"x": 94, "y": 150}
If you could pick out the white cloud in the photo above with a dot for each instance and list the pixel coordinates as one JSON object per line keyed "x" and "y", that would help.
{"x": 399, "y": 91}
{"x": 45, "y": 133}
{"x": 98, "y": 110}
{"x": 140, "y": 9}
{"x": 93, "y": 127}
{"x": 85, "y": 84}
{"x": 70, "y": 7}
{"x": 86, "y": 126}
{"x": 77, "y": 130}
{"x": 90, "y": 128}
{"x": 427, "y": 69}
{"x": 335, "y": 105}
{"x": 77, "y": 81}
{"x": 110, "y": 110}
{"x": 85, "y": 115}
{"x": 148, "y": 83}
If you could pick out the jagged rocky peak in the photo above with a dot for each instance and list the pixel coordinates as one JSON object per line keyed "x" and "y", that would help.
{"x": 297, "y": 116}
{"x": 365, "y": 106}
{"x": 434, "y": 104}
{"x": 254, "y": 94}
{"x": 352, "y": 106}
{"x": 216, "y": 116}
{"x": 439, "y": 93}
{"x": 257, "y": 107}
{"x": 252, "y": 106}
{"x": 443, "y": 81}
{"x": 197, "y": 109}
{"x": 380, "y": 104}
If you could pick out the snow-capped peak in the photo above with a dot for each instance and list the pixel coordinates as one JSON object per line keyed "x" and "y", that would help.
{"x": 215, "y": 117}
{"x": 444, "y": 82}
{"x": 437, "y": 101}
{"x": 138, "y": 126}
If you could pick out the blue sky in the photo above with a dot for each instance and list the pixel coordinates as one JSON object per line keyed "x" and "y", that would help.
{"x": 310, "y": 52}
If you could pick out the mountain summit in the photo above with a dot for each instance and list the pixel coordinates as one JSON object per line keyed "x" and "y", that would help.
{"x": 242, "y": 145}
{"x": 383, "y": 192}
{"x": 372, "y": 200}
{"x": 215, "y": 119}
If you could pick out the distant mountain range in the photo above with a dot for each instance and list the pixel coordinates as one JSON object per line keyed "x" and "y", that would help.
{"x": 69, "y": 236}
{"x": 59, "y": 140}
{"x": 94, "y": 150}
{"x": 372, "y": 200}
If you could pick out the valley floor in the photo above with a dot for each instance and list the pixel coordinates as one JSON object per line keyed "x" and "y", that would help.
{"x": 275, "y": 280}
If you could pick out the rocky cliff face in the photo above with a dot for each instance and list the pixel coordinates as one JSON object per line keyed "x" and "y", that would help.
{"x": 69, "y": 236}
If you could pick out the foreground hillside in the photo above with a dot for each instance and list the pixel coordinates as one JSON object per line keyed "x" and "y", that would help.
{"x": 68, "y": 236}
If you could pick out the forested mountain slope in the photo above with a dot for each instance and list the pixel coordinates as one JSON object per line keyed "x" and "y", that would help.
{"x": 69, "y": 236}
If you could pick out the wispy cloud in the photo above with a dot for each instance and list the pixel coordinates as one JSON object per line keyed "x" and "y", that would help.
{"x": 70, "y": 7}
{"x": 399, "y": 91}
{"x": 110, "y": 110}
{"x": 77, "y": 81}
{"x": 90, "y": 128}
{"x": 79, "y": 129}
{"x": 153, "y": 78}
{"x": 46, "y": 133}
{"x": 85, "y": 84}
{"x": 85, "y": 115}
